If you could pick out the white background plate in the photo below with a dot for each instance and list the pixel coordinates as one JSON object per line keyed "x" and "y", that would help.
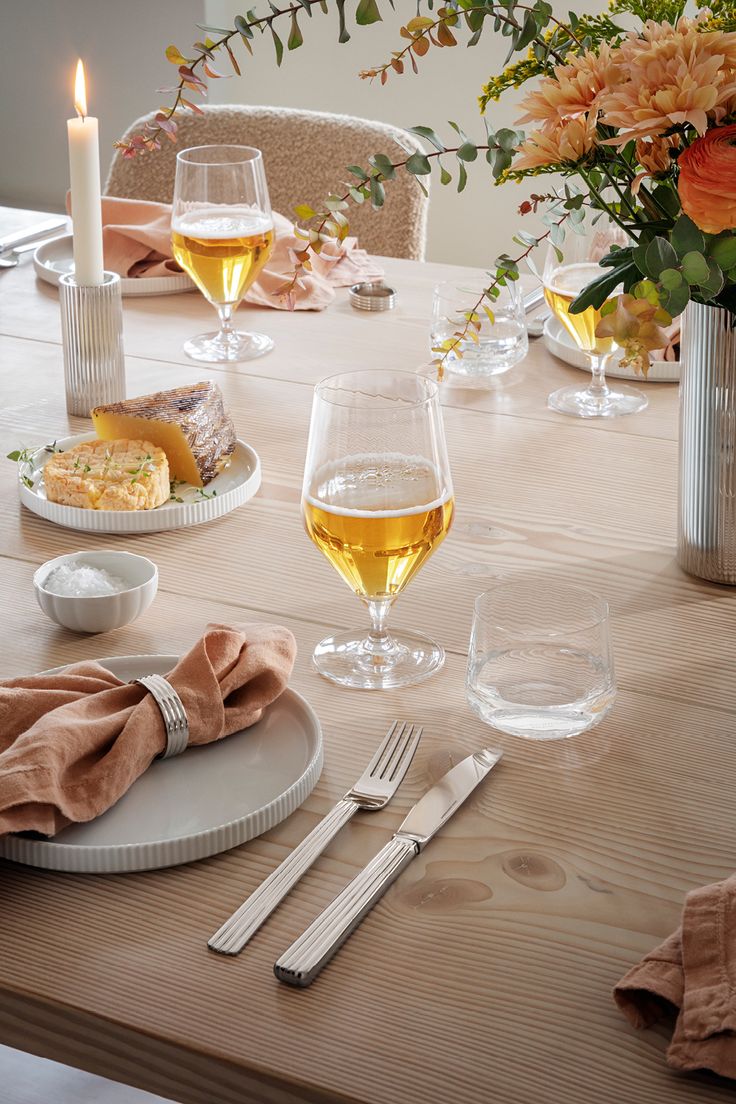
{"x": 55, "y": 258}
{"x": 232, "y": 487}
{"x": 206, "y": 800}
{"x": 559, "y": 342}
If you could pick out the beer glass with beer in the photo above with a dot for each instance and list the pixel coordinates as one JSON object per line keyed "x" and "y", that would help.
{"x": 377, "y": 501}
{"x": 222, "y": 235}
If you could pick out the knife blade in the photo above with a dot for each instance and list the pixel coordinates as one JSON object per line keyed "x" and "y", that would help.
{"x": 305, "y": 958}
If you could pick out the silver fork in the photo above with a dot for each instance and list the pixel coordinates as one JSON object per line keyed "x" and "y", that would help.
{"x": 376, "y": 786}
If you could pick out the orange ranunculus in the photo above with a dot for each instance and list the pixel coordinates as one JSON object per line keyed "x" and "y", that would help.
{"x": 707, "y": 182}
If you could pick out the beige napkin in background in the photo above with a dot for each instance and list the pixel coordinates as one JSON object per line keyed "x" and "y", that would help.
{"x": 72, "y": 743}
{"x": 693, "y": 975}
{"x": 136, "y": 239}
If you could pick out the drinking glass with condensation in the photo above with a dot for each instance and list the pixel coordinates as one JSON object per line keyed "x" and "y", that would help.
{"x": 540, "y": 663}
{"x": 502, "y": 342}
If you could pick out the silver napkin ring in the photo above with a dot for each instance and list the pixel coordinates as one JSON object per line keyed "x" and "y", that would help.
{"x": 173, "y": 713}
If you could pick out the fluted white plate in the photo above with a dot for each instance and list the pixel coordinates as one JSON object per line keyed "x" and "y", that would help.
{"x": 228, "y": 490}
{"x": 55, "y": 258}
{"x": 206, "y": 800}
{"x": 559, "y": 342}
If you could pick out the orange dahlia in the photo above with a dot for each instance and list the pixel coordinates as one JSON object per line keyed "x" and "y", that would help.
{"x": 707, "y": 180}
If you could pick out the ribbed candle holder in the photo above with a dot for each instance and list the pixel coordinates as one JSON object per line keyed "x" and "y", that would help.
{"x": 92, "y": 338}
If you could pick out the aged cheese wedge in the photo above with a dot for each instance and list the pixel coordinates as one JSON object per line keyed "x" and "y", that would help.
{"x": 109, "y": 475}
{"x": 190, "y": 424}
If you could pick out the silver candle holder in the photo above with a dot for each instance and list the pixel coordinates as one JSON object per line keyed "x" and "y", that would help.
{"x": 92, "y": 338}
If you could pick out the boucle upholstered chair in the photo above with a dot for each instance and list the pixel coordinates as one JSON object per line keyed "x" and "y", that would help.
{"x": 305, "y": 155}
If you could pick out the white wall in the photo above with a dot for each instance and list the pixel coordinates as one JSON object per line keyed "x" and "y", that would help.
{"x": 122, "y": 44}
{"x": 471, "y": 228}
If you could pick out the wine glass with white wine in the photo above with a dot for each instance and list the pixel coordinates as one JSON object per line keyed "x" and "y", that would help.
{"x": 222, "y": 235}
{"x": 377, "y": 501}
{"x": 563, "y": 281}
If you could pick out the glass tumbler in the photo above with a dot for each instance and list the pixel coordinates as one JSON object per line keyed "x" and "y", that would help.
{"x": 540, "y": 663}
{"x": 501, "y": 344}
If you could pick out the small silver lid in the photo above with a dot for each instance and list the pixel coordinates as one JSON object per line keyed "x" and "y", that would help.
{"x": 373, "y": 296}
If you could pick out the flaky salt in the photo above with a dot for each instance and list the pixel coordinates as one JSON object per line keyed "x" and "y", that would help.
{"x": 80, "y": 580}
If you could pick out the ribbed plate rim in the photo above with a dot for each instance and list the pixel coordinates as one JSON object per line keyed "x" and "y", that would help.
{"x": 661, "y": 371}
{"x": 175, "y": 516}
{"x": 159, "y": 854}
{"x": 129, "y": 286}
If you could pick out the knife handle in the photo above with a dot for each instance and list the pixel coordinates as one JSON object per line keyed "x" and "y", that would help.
{"x": 304, "y": 959}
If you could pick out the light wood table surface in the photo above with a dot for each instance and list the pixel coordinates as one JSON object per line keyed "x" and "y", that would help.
{"x": 485, "y": 973}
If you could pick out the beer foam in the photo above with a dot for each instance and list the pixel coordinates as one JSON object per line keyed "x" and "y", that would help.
{"x": 571, "y": 279}
{"x": 216, "y": 223}
{"x": 345, "y": 487}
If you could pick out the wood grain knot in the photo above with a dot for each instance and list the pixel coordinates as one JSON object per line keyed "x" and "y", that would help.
{"x": 531, "y": 869}
{"x": 444, "y": 894}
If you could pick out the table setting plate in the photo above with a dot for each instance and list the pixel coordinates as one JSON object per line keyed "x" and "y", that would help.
{"x": 55, "y": 258}
{"x": 560, "y": 344}
{"x": 234, "y": 486}
{"x": 204, "y": 801}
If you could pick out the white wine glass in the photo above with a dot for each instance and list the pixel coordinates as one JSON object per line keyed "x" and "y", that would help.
{"x": 222, "y": 235}
{"x": 563, "y": 281}
{"x": 377, "y": 501}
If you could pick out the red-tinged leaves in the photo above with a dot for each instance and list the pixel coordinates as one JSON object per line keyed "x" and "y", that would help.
{"x": 398, "y": 65}
{"x": 421, "y": 45}
{"x": 233, "y": 62}
{"x": 445, "y": 37}
{"x": 210, "y": 71}
{"x": 384, "y": 76}
{"x": 167, "y": 125}
{"x": 413, "y": 60}
{"x": 129, "y": 153}
{"x": 192, "y": 106}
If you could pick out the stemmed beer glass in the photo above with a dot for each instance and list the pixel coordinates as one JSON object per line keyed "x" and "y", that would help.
{"x": 563, "y": 281}
{"x": 377, "y": 501}
{"x": 222, "y": 235}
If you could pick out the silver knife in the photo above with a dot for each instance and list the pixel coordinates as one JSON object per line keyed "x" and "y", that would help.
{"x": 304, "y": 959}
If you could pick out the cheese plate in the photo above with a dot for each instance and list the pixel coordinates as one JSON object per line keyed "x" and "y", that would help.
{"x": 187, "y": 505}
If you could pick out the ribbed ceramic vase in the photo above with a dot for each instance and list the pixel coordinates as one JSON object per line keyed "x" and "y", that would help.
{"x": 706, "y": 543}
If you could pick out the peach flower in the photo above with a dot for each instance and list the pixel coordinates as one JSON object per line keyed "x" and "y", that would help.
{"x": 674, "y": 75}
{"x": 707, "y": 180}
{"x": 573, "y": 89}
{"x": 655, "y": 155}
{"x": 568, "y": 142}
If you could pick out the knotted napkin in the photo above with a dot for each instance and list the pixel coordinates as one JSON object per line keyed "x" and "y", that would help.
{"x": 73, "y": 742}
{"x": 136, "y": 239}
{"x": 693, "y": 975}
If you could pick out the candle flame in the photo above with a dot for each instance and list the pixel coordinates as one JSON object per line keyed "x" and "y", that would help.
{"x": 80, "y": 91}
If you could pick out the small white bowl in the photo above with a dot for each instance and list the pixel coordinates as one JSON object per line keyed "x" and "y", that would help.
{"x": 100, "y": 613}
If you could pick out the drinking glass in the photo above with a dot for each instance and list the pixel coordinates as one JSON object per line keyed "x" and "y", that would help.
{"x": 222, "y": 235}
{"x": 377, "y": 501}
{"x": 563, "y": 280}
{"x": 540, "y": 663}
{"x": 501, "y": 344}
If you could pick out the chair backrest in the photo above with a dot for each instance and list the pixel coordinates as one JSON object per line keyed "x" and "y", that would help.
{"x": 305, "y": 155}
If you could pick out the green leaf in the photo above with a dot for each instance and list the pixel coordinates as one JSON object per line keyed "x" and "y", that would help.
{"x": 710, "y": 287}
{"x": 344, "y": 34}
{"x": 457, "y": 130}
{"x": 15, "y": 455}
{"x": 357, "y": 171}
{"x": 377, "y": 193}
{"x": 671, "y": 278}
{"x": 528, "y": 32}
{"x": 686, "y": 237}
{"x": 241, "y": 25}
{"x": 467, "y": 152}
{"x": 367, "y": 12}
{"x": 598, "y": 290}
{"x": 304, "y": 211}
{"x": 278, "y": 46}
{"x": 429, "y": 134}
{"x": 462, "y": 178}
{"x": 445, "y": 176}
{"x": 675, "y": 301}
{"x": 695, "y": 267}
{"x": 723, "y": 251}
{"x": 418, "y": 165}
{"x": 296, "y": 39}
{"x": 216, "y": 30}
{"x": 357, "y": 195}
{"x": 384, "y": 165}
{"x": 659, "y": 256}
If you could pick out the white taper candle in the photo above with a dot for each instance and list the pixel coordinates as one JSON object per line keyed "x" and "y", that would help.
{"x": 84, "y": 174}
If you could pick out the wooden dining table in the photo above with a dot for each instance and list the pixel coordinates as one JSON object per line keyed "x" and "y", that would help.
{"x": 485, "y": 973}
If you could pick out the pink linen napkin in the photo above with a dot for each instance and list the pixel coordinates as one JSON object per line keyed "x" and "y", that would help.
{"x": 693, "y": 975}
{"x": 136, "y": 239}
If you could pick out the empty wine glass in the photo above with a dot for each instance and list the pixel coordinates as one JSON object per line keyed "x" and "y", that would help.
{"x": 563, "y": 281}
{"x": 222, "y": 235}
